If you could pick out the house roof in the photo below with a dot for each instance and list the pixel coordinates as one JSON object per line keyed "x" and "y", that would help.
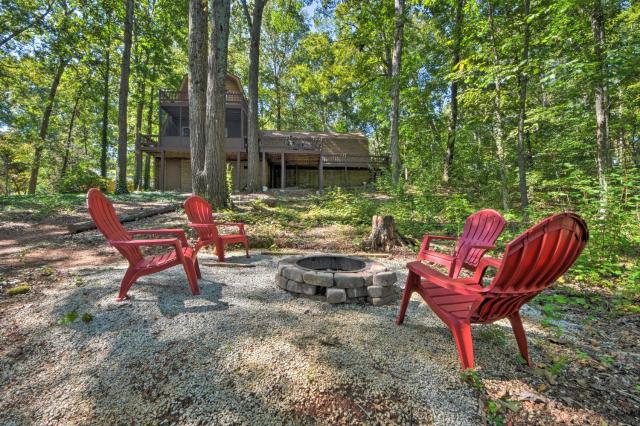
{"x": 230, "y": 77}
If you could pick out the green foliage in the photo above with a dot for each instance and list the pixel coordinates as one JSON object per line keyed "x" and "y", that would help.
{"x": 80, "y": 179}
{"x": 68, "y": 318}
{"x": 19, "y": 289}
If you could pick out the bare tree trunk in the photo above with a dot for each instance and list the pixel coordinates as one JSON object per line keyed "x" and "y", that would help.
{"x": 522, "y": 80}
{"x": 65, "y": 160}
{"x": 453, "y": 116}
{"x": 137, "y": 175}
{"x": 198, "y": 51}
{"x": 383, "y": 235}
{"x": 278, "y": 104}
{"x": 498, "y": 127}
{"x": 601, "y": 96}
{"x": 104, "y": 145}
{"x": 215, "y": 158}
{"x": 44, "y": 126}
{"x": 396, "y": 59}
{"x": 123, "y": 100}
{"x": 254, "y": 21}
{"x": 147, "y": 161}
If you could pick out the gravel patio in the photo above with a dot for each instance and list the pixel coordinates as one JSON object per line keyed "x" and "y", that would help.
{"x": 242, "y": 352}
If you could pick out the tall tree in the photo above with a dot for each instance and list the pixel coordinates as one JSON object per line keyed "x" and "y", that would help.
{"x": 104, "y": 140}
{"x": 147, "y": 161}
{"x": 453, "y": 108}
{"x": 198, "y": 51}
{"x": 522, "y": 110}
{"x": 601, "y": 95}
{"x": 67, "y": 147}
{"x": 215, "y": 157}
{"x": 394, "y": 146}
{"x": 498, "y": 126}
{"x": 44, "y": 125}
{"x": 254, "y": 21}
{"x": 123, "y": 99}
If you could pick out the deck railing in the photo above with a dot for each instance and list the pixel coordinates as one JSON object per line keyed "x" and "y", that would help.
{"x": 372, "y": 161}
{"x": 180, "y": 96}
{"x": 149, "y": 142}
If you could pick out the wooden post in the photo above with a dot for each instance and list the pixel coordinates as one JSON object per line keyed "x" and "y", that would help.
{"x": 321, "y": 173}
{"x": 237, "y": 185}
{"x": 162, "y": 169}
{"x": 283, "y": 172}
{"x": 264, "y": 169}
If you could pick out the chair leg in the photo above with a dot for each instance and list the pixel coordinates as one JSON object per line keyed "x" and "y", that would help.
{"x": 197, "y": 267}
{"x": 220, "y": 250}
{"x": 412, "y": 280}
{"x": 246, "y": 247}
{"x": 521, "y": 338}
{"x": 464, "y": 343}
{"x": 192, "y": 276}
{"x": 126, "y": 283}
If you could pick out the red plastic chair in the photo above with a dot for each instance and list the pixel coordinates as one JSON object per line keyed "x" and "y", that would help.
{"x": 481, "y": 230}
{"x": 105, "y": 218}
{"x": 531, "y": 263}
{"x": 200, "y": 217}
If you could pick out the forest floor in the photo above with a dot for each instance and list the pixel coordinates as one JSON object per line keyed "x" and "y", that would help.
{"x": 245, "y": 352}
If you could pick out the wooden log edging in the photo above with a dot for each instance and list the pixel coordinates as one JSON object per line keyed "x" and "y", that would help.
{"x": 88, "y": 225}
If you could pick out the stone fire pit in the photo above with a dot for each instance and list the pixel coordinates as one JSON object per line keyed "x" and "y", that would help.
{"x": 337, "y": 279}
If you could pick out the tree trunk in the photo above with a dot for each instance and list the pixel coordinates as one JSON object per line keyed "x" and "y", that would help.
{"x": 383, "y": 234}
{"x": 498, "y": 127}
{"x": 65, "y": 161}
{"x": 137, "y": 176}
{"x": 601, "y": 96}
{"x": 44, "y": 127}
{"x": 198, "y": 50}
{"x": 147, "y": 161}
{"x": 121, "y": 187}
{"x": 522, "y": 100}
{"x": 453, "y": 116}
{"x": 105, "y": 116}
{"x": 215, "y": 158}
{"x": 278, "y": 104}
{"x": 394, "y": 146}
{"x": 254, "y": 22}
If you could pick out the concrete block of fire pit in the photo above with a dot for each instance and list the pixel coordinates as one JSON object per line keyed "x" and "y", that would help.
{"x": 302, "y": 288}
{"x": 380, "y": 301}
{"x": 281, "y": 281}
{"x": 286, "y": 262}
{"x": 385, "y": 279}
{"x": 357, "y": 292}
{"x": 379, "y": 291}
{"x": 348, "y": 280}
{"x": 321, "y": 279}
{"x": 336, "y": 295}
{"x": 292, "y": 273}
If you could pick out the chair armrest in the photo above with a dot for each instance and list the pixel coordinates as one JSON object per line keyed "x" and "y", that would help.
{"x": 238, "y": 224}
{"x": 485, "y": 263}
{"x": 426, "y": 240}
{"x": 483, "y": 246}
{"x": 457, "y": 285}
{"x": 139, "y": 243}
{"x": 179, "y": 232}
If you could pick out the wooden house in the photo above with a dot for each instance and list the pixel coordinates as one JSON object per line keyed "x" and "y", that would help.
{"x": 287, "y": 159}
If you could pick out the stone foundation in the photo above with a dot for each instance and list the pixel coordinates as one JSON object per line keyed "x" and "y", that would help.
{"x": 337, "y": 279}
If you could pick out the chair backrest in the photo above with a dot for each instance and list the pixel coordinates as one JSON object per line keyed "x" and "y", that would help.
{"x": 199, "y": 211}
{"x": 484, "y": 226}
{"x": 532, "y": 262}
{"x": 107, "y": 222}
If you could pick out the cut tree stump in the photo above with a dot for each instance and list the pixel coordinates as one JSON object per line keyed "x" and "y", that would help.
{"x": 384, "y": 236}
{"x": 88, "y": 225}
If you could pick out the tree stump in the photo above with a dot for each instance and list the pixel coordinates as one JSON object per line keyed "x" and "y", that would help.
{"x": 383, "y": 234}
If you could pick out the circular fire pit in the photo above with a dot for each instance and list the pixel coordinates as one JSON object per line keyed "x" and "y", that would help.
{"x": 337, "y": 279}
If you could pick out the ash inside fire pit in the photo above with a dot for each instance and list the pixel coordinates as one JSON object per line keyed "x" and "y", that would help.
{"x": 332, "y": 263}
{"x": 337, "y": 279}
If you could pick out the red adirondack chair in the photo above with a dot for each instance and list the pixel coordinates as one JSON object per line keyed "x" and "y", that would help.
{"x": 481, "y": 230}
{"x": 200, "y": 217}
{"x": 107, "y": 221}
{"x": 531, "y": 263}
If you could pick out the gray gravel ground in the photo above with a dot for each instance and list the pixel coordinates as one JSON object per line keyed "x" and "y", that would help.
{"x": 243, "y": 352}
